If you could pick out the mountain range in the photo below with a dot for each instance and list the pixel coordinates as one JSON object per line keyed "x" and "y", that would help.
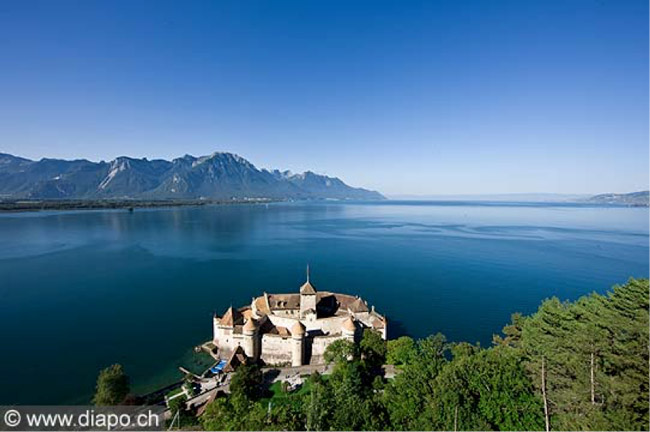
{"x": 632, "y": 199}
{"x": 636, "y": 199}
{"x": 219, "y": 176}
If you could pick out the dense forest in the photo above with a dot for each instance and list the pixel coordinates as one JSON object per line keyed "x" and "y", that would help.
{"x": 579, "y": 365}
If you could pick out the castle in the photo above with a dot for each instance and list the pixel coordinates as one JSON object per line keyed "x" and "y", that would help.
{"x": 294, "y": 328}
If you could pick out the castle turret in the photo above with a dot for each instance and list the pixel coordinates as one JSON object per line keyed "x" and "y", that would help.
{"x": 298, "y": 342}
{"x": 307, "y": 297}
{"x": 348, "y": 329}
{"x": 254, "y": 308}
{"x": 228, "y": 319}
{"x": 215, "y": 328}
{"x": 224, "y": 327}
{"x": 251, "y": 345}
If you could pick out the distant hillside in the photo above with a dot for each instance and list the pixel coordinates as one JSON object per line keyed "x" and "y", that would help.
{"x": 217, "y": 176}
{"x": 631, "y": 199}
{"x": 639, "y": 199}
{"x": 503, "y": 197}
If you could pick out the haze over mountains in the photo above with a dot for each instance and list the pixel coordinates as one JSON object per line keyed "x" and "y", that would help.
{"x": 636, "y": 199}
{"x": 641, "y": 198}
{"x": 221, "y": 176}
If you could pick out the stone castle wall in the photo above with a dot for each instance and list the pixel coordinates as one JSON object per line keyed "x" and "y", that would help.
{"x": 282, "y": 321}
{"x": 326, "y": 325}
{"x": 318, "y": 346}
{"x": 276, "y": 349}
{"x": 294, "y": 313}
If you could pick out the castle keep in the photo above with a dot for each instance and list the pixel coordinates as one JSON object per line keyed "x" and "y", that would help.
{"x": 294, "y": 328}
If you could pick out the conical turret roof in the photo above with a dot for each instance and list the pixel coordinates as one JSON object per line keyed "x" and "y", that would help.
{"x": 348, "y": 325}
{"x": 298, "y": 329}
{"x": 228, "y": 319}
{"x": 358, "y": 306}
{"x": 250, "y": 325}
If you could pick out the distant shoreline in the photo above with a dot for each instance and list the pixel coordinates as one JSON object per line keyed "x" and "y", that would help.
{"x": 25, "y": 206}
{"x": 18, "y": 206}
{"x": 632, "y": 199}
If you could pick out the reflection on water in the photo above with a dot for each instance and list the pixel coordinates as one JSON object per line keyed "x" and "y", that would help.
{"x": 81, "y": 290}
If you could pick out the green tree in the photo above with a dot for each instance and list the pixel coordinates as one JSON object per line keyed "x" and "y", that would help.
{"x": 177, "y": 404}
{"x": 190, "y": 385}
{"x": 287, "y": 416}
{"x": 349, "y": 393}
{"x": 373, "y": 348}
{"x": 401, "y": 351}
{"x": 512, "y": 332}
{"x": 623, "y": 317}
{"x": 318, "y": 404}
{"x": 112, "y": 386}
{"x": 247, "y": 381}
{"x": 181, "y": 417}
{"x": 339, "y": 351}
{"x": 409, "y": 395}
{"x": 485, "y": 389}
{"x": 588, "y": 360}
{"x": 217, "y": 415}
{"x": 234, "y": 412}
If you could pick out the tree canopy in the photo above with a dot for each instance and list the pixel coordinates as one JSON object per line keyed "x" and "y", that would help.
{"x": 579, "y": 365}
{"x": 112, "y": 386}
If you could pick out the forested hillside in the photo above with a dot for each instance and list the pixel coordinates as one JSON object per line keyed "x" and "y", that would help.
{"x": 570, "y": 366}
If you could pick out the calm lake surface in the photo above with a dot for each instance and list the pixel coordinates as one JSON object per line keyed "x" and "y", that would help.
{"x": 81, "y": 290}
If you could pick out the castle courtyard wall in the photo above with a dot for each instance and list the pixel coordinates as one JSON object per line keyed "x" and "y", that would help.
{"x": 276, "y": 349}
{"x": 318, "y": 346}
{"x": 329, "y": 325}
{"x": 283, "y": 321}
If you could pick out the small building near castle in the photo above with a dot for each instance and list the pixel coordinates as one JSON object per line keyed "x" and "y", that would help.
{"x": 294, "y": 329}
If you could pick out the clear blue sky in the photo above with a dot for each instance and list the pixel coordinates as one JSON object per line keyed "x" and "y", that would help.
{"x": 401, "y": 96}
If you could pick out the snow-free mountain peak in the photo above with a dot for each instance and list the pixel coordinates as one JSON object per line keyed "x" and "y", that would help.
{"x": 220, "y": 175}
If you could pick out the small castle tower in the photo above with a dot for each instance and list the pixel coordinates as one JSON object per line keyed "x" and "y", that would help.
{"x": 224, "y": 327}
{"x": 348, "y": 329}
{"x": 251, "y": 342}
{"x": 307, "y": 297}
{"x": 215, "y": 328}
{"x": 298, "y": 342}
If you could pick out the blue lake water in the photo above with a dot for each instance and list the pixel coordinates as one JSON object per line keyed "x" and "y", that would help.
{"x": 81, "y": 290}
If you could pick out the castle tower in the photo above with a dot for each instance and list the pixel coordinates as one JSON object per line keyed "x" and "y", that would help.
{"x": 215, "y": 328}
{"x": 298, "y": 342}
{"x": 228, "y": 318}
{"x": 307, "y": 297}
{"x": 224, "y": 328}
{"x": 251, "y": 343}
{"x": 348, "y": 329}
